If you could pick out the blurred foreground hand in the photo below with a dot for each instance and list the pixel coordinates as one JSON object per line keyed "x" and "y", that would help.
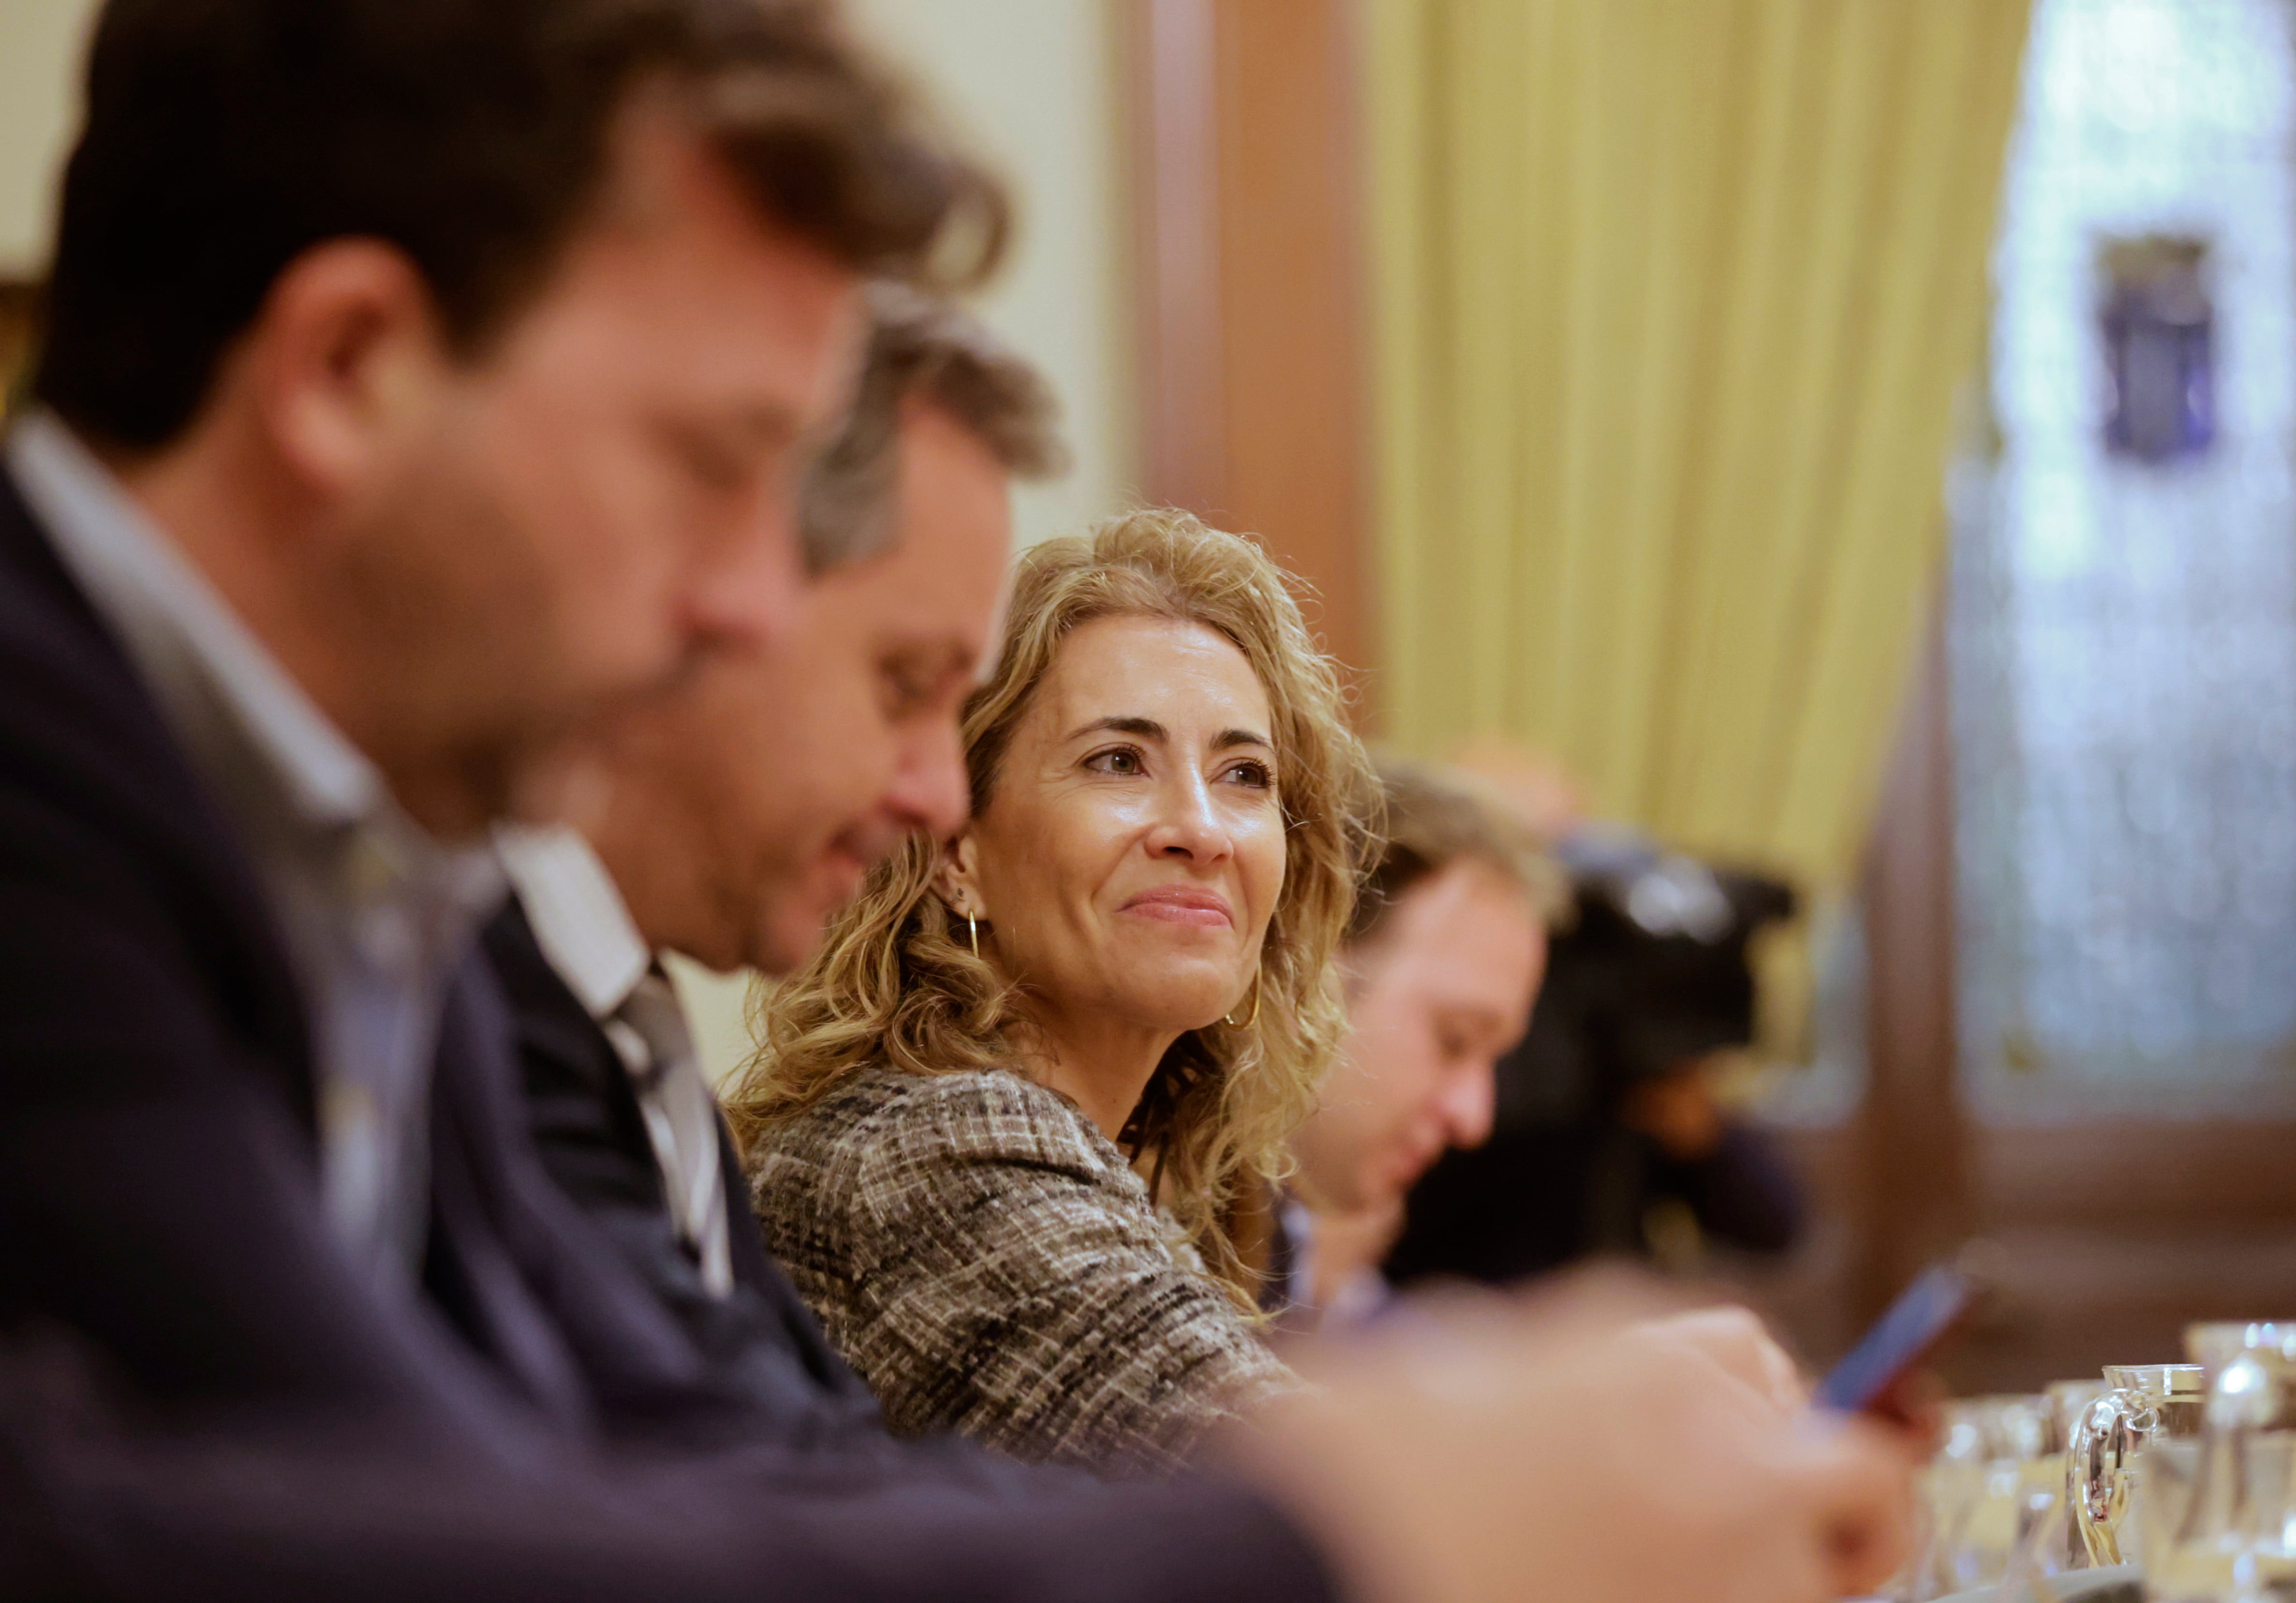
{"x": 1576, "y": 1448}
{"x": 1739, "y": 1342}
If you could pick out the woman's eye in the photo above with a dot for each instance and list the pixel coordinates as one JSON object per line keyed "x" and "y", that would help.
{"x": 1123, "y": 759}
{"x": 1258, "y": 776}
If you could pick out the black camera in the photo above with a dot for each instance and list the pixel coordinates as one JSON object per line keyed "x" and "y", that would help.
{"x": 1649, "y": 978}
{"x": 1651, "y": 974}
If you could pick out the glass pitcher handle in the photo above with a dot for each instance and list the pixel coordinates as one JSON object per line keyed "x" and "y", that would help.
{"x": 2097, "y": 1458}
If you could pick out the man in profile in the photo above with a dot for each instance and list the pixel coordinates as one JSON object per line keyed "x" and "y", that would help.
{"x": 1441, "y": 963}
{"x": 734, "y": 818}
{"x": 424, "y": 382}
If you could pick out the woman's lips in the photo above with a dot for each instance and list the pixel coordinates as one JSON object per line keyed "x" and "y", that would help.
{"x": 1183, "y": 904}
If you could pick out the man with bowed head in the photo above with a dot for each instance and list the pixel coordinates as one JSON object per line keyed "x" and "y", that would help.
{"x": 425, "y": 381}
{"x": 734, "y": 818}
{"x": 1441, "y": 965}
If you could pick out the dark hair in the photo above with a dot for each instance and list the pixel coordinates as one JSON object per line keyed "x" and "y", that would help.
{"x": 226, "y": 137}
{"x": 921, "y": 345}
{"x": 1434, "y": 818}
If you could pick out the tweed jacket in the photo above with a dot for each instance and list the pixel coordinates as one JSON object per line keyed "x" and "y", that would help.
{"x": 990, "y": 1263}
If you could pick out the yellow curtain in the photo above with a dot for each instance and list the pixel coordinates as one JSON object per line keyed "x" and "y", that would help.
{"x": 1673, "y": 300}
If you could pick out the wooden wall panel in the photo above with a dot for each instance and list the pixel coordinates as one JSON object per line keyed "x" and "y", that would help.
{"x": 1250, "y": 293}
{"x": 1174, "y": 54}
{"x": 19, "y": 303}
{"x": 1912, "y": 1138}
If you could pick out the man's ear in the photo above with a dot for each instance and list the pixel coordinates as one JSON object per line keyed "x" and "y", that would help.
{"x": 956, "y": 880}
{"x": 346, "y": 358}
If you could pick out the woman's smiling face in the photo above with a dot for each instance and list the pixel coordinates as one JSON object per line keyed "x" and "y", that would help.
{"x": 1131, "y": 848}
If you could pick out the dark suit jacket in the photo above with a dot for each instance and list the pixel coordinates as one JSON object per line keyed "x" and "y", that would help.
{"x": 295, "y": 1433}
{"x": 763, "y": 1351}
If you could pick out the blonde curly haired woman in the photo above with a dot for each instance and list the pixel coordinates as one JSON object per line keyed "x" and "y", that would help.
{"x": 997, "y": 1129}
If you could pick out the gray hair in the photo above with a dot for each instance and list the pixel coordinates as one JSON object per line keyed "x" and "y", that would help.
{"x": 927, "y": 347}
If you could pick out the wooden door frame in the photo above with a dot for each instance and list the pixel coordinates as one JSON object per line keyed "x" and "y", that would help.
{"x": 20, "y": 303}
{"x": 1248, "y": 284}
{"x": 1911, "y": 1137}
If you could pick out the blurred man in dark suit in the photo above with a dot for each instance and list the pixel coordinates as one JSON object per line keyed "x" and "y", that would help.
{"x": 425, "y": 381}
{"x": 419, "y": 383}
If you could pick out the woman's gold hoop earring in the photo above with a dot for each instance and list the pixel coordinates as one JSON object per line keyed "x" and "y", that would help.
{"x": 972, "y": 932}
{"x": 1230, "y": 1019}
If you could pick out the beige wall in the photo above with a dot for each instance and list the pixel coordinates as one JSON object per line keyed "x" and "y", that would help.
{"x": 1035, "y": 84}
{"x": 40, "y": 45}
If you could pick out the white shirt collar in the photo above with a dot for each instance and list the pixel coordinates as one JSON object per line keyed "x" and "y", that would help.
{"x": 579, "y": 919}
{"x": 192, "y": 648}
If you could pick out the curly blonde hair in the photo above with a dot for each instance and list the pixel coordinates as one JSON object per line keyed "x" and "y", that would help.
{"x": 895, "y": 982}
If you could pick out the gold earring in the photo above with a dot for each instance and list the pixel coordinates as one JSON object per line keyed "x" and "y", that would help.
{"x": 1229, "y": 1019}
{"x": 972, "y": 932}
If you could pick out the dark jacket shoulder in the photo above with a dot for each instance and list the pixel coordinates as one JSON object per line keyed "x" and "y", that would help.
{"x": 586, "y": 1119}
{"x": 156, "y": 1116}
{"x": 103, "y": 822}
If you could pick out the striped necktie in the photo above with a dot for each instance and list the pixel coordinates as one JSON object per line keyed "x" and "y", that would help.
{"x": 650, "y": 1031}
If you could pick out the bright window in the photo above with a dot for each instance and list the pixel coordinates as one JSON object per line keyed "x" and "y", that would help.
{"x": 2124, "y": 609}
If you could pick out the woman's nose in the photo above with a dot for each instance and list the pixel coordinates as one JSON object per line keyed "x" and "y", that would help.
{"x": 1188, "y": 823}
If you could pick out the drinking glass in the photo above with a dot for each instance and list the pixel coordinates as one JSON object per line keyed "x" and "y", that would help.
{"x": 1997, "y": 1479}
{"x": 2220, "y": 1524}
{"x": 2204, "y": 1545}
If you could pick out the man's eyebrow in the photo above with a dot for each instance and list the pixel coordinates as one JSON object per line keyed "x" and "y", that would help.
{"x": 765, "y": 426}
{"x": 775, "y": 420}
{"x": 933, "y": 656}
{"x": 1147, "y": 729}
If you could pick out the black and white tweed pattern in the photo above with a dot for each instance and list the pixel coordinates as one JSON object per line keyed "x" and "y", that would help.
{"x": 989, "y": 1264}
